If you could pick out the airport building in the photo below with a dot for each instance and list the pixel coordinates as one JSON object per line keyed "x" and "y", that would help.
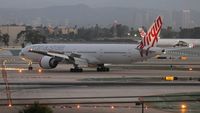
{"x": 62, "y": 30}
{"x": 12, "y": 31}
{"x": 65, "y": 30}
{"x": 186, "y": 19}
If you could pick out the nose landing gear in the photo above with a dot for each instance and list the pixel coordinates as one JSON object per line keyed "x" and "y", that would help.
{"x": 30, "y": 68}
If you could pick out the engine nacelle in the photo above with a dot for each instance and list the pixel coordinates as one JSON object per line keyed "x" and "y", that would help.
{"x": 48, "y": 62}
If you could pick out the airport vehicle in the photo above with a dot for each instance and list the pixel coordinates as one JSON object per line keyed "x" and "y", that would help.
{"x": 82, "y": 55}
{"x": 170, "y": 78}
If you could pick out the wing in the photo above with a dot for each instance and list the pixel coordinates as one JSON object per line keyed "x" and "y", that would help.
{"x": 72, "y": 58}
{"x": 174, "y": 49}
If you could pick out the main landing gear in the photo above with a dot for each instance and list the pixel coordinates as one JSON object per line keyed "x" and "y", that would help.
{"x": 102, "y": 68}
{"x": 76, "y": 69}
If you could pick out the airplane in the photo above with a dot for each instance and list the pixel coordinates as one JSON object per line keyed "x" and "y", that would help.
{"x": 85, "y": 55}
{"x": 173, "y": 42}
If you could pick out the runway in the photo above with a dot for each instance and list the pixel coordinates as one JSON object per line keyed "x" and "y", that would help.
{"x": 64, "y": 90}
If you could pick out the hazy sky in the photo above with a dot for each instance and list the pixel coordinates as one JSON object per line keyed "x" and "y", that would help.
{"x": 161, "y": 4}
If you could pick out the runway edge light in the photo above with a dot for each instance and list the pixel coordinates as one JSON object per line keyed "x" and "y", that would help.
{"x": 78, "y": 106}
{"x": 183, "y": 106}
{"x": 169, "y": 78}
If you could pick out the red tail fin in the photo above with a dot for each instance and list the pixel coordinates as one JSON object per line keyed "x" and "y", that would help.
{"x": 152, "y": 36}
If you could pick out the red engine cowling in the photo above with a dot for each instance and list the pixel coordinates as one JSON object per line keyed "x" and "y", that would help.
{"x": 48, "y": 62}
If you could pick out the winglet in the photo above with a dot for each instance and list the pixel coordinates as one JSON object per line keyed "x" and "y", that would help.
{"x": 142, "y": 32}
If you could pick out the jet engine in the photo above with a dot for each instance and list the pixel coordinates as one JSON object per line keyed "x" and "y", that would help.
{"x": 48, "y": 62}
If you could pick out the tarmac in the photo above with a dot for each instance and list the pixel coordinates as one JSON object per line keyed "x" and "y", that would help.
{"x": 116, "y": 91}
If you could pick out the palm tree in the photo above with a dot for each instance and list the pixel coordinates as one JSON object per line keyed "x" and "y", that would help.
{"x": 5, "y": 39}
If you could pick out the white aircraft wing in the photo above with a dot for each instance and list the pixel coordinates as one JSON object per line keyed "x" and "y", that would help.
{"x": 52, "y": 54}
{"x": 73, "y": 58}
{"x": 166, "y": 50}
{"x": 58, "y": 55}
{"x": 177, "y": 48}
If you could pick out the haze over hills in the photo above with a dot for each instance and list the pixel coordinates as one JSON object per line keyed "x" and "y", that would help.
{"x": 83, "y": 15}
{"x": 156, "y": 4}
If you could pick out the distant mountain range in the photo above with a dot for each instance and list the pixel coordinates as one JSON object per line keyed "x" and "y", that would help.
{"x": 83, "y": 15}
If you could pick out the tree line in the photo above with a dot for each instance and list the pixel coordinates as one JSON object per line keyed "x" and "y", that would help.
{"x": 4, "y": 38}
{"x": 42, "y": 35}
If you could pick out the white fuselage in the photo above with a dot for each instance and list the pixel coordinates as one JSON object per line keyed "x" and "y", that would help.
{"x": 92, "y": 53}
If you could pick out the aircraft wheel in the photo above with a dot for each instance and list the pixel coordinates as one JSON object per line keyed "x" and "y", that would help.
{"x": 107, "y": 69}
{"x": 80, "y": 70}
{"x": 103, "y": 69}
{"x": 30, "y": 68}
{"x": 76, "y": 70}
{"x": 98, "y": 69}
{"x": 71, "y": 70}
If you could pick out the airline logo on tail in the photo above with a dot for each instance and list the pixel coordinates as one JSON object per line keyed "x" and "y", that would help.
{"x": 150, "y": 39}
